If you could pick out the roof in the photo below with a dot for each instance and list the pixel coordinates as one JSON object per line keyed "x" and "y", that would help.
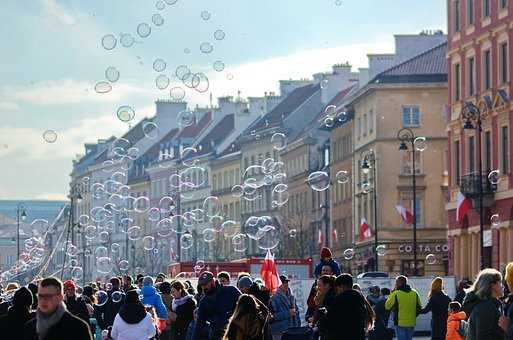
{"x": 194, "y": 129}
{"x": 154, "y": 150}
{"x": 288, "y": 105}
{"x": 217, "y": 134}
{"x": 430, "y": 65}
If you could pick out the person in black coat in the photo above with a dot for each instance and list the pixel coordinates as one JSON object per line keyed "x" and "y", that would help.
{"x": 75, "y": 304}
{"x": 182, "y": 310}
{"x": 106, "y": 313}
{"x": 17, "y": 315}
{"x": 53, "y": 321}
{"x": 349, "y": 315}
{"x": 438, "y": 305}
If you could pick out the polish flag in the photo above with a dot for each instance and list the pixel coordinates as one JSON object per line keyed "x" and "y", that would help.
{"x": 334, "y": 235}
{"x": 405, "y": 214}
{"x": 269, "y": 273}
{"x": 320, "y": 239}
{"x": 463, "y": 206}
{"x": 365, "y": 230}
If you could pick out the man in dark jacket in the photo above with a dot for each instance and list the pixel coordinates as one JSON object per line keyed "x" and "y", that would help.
{"x": 216, "y": 307}
{"x": 75, "y": 304}
{"x": 348, "y": 314}
{"x": 18, "y": 314}
{"x": 53, "y": 321}
{"x": 327, "y": 260}
{"x": 106, "y": 313}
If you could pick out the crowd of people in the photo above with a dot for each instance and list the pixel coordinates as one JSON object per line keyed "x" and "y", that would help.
{"x": 215, "y": 309}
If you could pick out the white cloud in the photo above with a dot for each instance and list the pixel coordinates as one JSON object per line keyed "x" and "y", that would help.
{"x": 9, "y": 107}
{"x": 52, "y": 8}
{"x": 51, "y": 197}
{"x": 69, "y": 91}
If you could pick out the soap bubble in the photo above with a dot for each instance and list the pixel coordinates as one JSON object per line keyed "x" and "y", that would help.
{"x": 381, "y": 250}
{"x": 101, "y": 298}
{"x": 348, "y": 253}
{"x": 430, "y": 259}
{"x": 342, "y": 177}
{"x": 319, "y": 180}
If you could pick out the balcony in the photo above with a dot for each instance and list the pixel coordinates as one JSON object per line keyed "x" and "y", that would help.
{"x": 469, "y": 185}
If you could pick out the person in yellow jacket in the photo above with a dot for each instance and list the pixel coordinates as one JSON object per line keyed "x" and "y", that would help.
{"x": 405, "y": 302}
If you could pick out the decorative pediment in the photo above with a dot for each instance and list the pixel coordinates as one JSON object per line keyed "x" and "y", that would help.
{"x": 501, "y": 100}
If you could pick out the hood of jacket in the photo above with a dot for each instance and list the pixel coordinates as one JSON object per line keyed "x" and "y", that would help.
{"x": 148, "y": 291}
{"x": 457, "y": 316}
{"x": 132, "y": 313}
{"x": 404, "y": 288}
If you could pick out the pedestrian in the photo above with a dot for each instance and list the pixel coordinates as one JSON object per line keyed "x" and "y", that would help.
{"x": 406, "y": 304}
{"x": 249, "y": 320}
{"x": 106, "y": 313}
{"x": 310, "y": 303}
{"x": 9, "y": 291}
{"x": 244, "y": 284}
{"x": 223, "y": 278}
{"x": 460, "y": 291}
{"x": 506, "y": 321}
{"x": 324, "y": 298}
{"x": 12, "y": 323}
{"x": 438, "y": 305}
{"x": 350, "y": 314}
{"x": 74, "y": 303}
{"x": 285, "y": 312}
{"x": 52, "y": 320}
{"x": 161, "y": 277}
{"x": 128, "y": 283}
{"x": 377, "y": 299}
{"x": 182, "y": 310}
{"x": 483, "y": 307}
{"x": 88, "y": 295}
{"x": 327, "y": 259}
{"x": 33, "y": 289}
{"x": 454, "y": 321}
{"x": 216, "y": 306}
{"x": 150, "y": 297}
{"x": 167, "y": 299}
{"x": 133, "y": 322}
{"x": 247, "y": 286}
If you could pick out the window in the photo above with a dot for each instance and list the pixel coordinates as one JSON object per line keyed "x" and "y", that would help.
{"x": 418, "y": 210}
{"x": 457, "y": 78}
{"x": 487, "y": 70}
{"x": 471, "y": 154}
{"x": 407, "y": 162}
{"x": 411, "y": 116}
{"x": 471, "y": 76}
{"x": 456, "y": 15}
{"x": 503, "y": 3}
{"x": 503, "y": 62}
{"x": 470, "y": 12}
{"x": 488, "y": 151}
{"x": 504, "y": 150}
{"x": 486, "y": 8}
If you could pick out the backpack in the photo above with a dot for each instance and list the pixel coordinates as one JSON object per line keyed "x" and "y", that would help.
{"x": 462, "y": 330}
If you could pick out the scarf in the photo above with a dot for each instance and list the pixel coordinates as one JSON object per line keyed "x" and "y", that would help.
{"x": 45, "y": 322}
{"x": 179, "y": 302}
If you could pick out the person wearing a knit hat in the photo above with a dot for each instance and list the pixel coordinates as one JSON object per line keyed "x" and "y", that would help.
{"x": 133, "y": 321}
{"x": 244, "y": 284}
{"x": 327, "y": 260}
{"x": 74, "y": 303}
{"x": 11, "y": 324}
{"x": 150, "y": 297}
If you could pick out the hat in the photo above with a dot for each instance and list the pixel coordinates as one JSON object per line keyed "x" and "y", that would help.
{"x": 147, "y": 281}
{"x": 22, "y": 297}
{"x": 245, "y": 282}
{"x": 326, "y": 253}
{"x": 205, "y": 278}
{"x": 284, "y": 278}
{"x": 69, "y": 284}
{"x": 132, "y": 296}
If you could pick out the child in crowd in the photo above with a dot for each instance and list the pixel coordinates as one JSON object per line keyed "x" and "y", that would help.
{"x": 455, "y": 322}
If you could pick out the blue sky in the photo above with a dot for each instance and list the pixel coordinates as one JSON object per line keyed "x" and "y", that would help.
{"x": 52, "y": 57}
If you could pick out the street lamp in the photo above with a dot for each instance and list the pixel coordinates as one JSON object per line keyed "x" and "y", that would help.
{"x": 470, "y": 113}
{"x": 369, "y": 162}
{"x": 21, "y": 213}
{"x": 407, "y": 136}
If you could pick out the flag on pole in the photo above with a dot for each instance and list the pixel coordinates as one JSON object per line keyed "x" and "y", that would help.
{"x": 405, "y": 214}
{"x": 320, "y": 239}
{"x": 365, "y": 230}
{"x": 334, "y": 235}
{"x": 269, "y": 273}
{"x": 463, "y": 206}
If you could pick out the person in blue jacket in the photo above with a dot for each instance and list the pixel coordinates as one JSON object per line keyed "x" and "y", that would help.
{"x": 150, "y": 297}
{"x": 284, "y": 309}
{"x": 327, "y": 260}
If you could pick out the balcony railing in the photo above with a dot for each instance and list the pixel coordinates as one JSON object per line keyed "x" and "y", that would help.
{"x": 469, "y": 185}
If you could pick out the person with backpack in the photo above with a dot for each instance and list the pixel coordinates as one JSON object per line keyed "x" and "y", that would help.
{"x": 284, "y": 309}
{"x": 406, "y": 303}
{"x": 438, "y": 303}
{"x": 456, "y": 323}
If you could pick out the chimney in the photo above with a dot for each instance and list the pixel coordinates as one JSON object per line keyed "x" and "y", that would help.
{"x": 379, "y": 63}
{"x": 167, "y": 113}
{"x": 333, "y": 82}
{"x": 363, "y": 76}
{"x": 408, "y": 46}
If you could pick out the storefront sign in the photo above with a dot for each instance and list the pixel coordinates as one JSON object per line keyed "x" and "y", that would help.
{"x": 424, "y": 248}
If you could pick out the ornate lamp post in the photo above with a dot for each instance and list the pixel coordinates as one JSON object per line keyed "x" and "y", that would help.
{"x": 21, "y": 213}
{"x": 369, "y": 162}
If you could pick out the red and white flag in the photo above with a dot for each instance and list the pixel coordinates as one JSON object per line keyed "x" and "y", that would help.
{"x": 320, "y": 239}
{"x": 334, "y": 235}
{"x": 463, "y": 206}
{"x": 269, "y": 273}
{"x": 365, "y": 230}
{"x": 405, "y": 214}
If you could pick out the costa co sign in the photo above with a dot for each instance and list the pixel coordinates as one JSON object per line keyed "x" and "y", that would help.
{"x": 424, "y": 248}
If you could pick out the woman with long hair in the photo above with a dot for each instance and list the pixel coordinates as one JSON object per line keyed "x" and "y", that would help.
{"x": 506, "y": 321}
{"x": 249, "y": 320}
{"x": 324, "y": 298}
{"x": 484, "y": 307}
{"x": 182, "y": 310}
{"x": 438, "y": 304}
